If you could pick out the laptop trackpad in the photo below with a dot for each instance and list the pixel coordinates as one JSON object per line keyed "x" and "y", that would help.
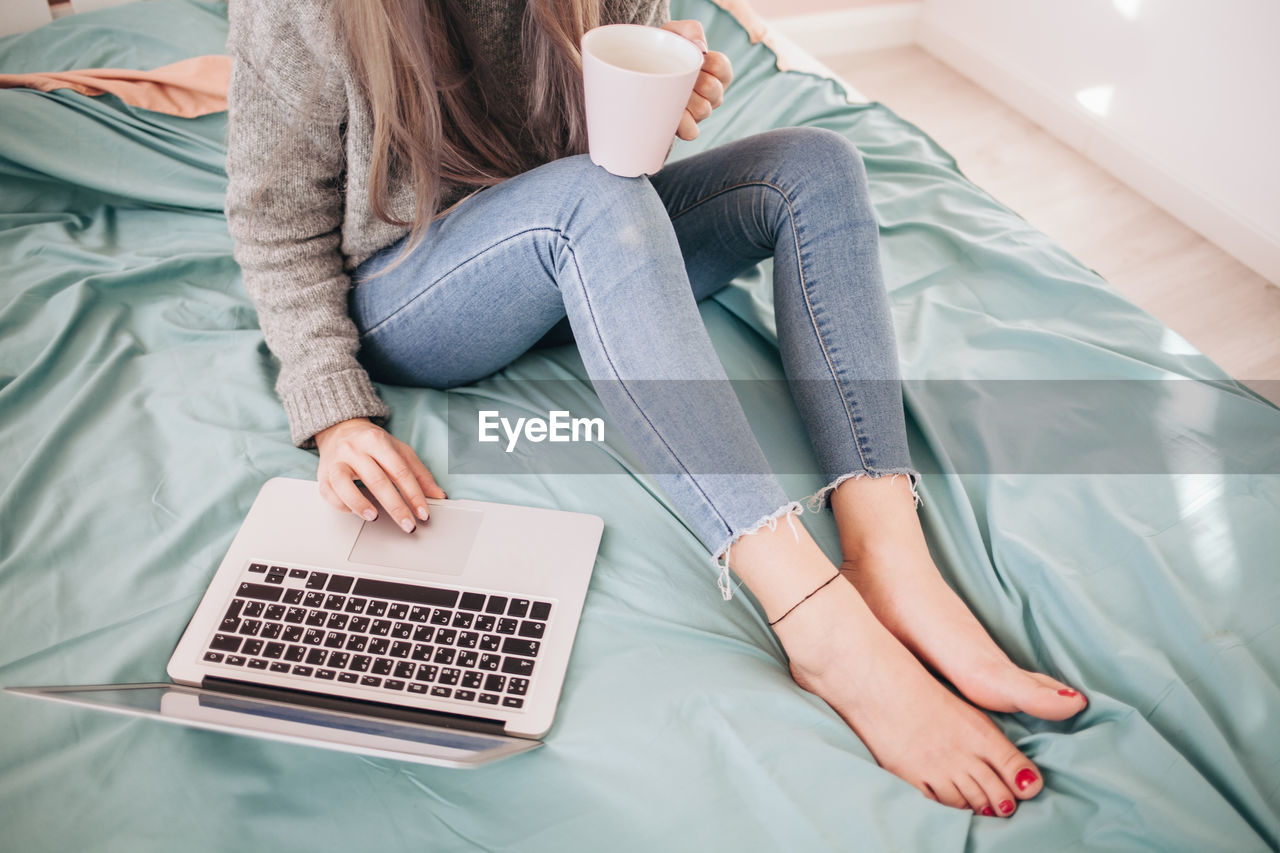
{"x": 441, "y": 544}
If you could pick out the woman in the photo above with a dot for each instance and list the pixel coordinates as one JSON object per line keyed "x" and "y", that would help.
{"x": 410, "y": 201}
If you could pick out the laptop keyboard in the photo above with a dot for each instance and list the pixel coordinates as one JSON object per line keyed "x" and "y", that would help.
{"x": 465, "y": 646}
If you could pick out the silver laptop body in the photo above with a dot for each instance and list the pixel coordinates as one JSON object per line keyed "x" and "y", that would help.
{"x": 446, "y": 646}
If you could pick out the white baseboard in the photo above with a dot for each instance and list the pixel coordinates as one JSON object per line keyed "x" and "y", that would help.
{"x": 1070, "y": 122}
{"x": 850, "y": 30}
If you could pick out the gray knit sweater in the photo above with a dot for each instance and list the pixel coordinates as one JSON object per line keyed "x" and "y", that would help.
{"x": 311, "y": 223}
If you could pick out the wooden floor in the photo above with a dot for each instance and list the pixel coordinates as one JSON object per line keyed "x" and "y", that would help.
{"x": 1220, "y": 306}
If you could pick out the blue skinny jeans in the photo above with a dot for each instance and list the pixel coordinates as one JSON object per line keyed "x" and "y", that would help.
{"x": 567, "y": 251}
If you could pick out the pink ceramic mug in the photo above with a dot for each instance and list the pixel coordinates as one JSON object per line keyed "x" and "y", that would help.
{"x": 637, "y": 82}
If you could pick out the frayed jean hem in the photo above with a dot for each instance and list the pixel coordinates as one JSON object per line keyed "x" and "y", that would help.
{"x": 822, "y": 498}
{"x": 720, "y": 558}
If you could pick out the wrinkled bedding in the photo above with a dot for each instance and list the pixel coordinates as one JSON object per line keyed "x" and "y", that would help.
{"x": 137, "y": 422}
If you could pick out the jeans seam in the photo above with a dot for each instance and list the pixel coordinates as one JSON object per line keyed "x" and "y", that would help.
{"x": 586, "y": 298}
{"x": 440, "y": 279}
{"x": 804, "y": 289}
{"x": 724, "y": 190}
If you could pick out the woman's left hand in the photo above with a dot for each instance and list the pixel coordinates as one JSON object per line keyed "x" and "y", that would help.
{"x": 713, "y": 79}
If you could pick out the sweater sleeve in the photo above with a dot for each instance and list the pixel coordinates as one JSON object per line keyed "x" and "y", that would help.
{"x": 285, "y": 169}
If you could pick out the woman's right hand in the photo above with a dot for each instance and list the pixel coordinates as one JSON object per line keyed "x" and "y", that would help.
{"x": 359, "y": 449}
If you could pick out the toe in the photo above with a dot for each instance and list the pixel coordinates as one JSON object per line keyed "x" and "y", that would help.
{"x": 994, "y": 790}
{"x": 1064, "y": 690}
{"x": 1027, "y": 781}
{"x": 1018, "y": 773}
{"x": 1041, "y": 696}
{"x": 946, "y": 792}
{"x": 972, "y": 792}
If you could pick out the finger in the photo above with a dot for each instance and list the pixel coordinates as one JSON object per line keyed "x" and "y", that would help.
{"x": 390, "y": 455}
{"x": 342, "y": 481}
{"x": 430, "y": 487}
{"x": 717, "y": 65}
{"x": 329, "y": 497}
{"x": 699, "y": 107}
{"x": 710, "y": 89}
{"x": 688, "y": 128}
{"x": 376, "y": 480}
{"x": 692, "y": 30}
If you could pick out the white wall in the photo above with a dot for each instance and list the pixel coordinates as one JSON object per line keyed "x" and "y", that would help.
{"x": 791, "y": 8}
{"x": 1178, "y": 98}
{"x": 17, "y": 16}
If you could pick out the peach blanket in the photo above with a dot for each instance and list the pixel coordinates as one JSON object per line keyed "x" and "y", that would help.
{"x": 190, "y": 88}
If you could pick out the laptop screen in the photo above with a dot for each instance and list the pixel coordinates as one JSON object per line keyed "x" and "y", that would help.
{"x": 293, "y": 723}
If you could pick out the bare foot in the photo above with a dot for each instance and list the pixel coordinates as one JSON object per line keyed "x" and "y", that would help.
{"x": 888, "y": 561}
{"x": 909, "y": 597}
{"x": 915, "y": 728}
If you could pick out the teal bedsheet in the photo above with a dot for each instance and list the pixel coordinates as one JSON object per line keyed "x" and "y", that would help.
{"x": 137, "y": 421}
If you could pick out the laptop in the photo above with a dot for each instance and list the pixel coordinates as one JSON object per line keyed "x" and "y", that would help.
{"x": 446, "y": 646}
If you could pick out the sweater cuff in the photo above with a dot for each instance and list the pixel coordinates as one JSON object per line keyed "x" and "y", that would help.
{"x": 331, "y": 399}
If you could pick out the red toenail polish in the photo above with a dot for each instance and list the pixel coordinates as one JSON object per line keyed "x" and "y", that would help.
{"x": 1066, "y": 692}
{"x": 1025, "y": 779}
{"x": 986, "y": 810}
{"x": 1006, "y": 806}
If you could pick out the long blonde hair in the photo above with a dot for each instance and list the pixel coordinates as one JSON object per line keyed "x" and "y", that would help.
{"x": 433, "y": 115}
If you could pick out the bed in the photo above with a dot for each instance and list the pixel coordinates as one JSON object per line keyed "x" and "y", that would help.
{"x": 137, "y": 422}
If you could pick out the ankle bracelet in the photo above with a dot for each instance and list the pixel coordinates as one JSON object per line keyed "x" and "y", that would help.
{"x": 806, "y": 598}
